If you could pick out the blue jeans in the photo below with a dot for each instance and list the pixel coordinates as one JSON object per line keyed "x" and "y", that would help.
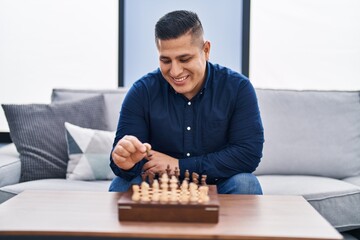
{"x": 241, "y": 183}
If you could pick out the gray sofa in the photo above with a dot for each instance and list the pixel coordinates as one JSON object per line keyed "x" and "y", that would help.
{"x": 312, "y": 148}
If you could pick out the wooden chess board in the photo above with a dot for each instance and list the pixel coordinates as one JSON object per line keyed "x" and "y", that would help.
{"x": 206, "y": 212}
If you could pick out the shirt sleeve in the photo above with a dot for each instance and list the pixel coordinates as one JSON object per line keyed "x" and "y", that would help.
{"x": 245, "y": 141}
{"x": 132, "y": 121}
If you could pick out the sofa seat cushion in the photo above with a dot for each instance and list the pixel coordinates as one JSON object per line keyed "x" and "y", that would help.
{"x": 10, "y": 165}
{"x": 336, "y": 200}
{"x": 353, "y": 180}
{"x": 10, "y": 191}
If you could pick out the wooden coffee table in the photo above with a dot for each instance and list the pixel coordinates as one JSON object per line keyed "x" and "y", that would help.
{"x": 94, "y": 214}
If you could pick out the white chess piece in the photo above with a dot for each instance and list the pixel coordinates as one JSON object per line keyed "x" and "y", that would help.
{"x": 203, "y": 194}
{"x": 145, "y": 192}
{"x": 136, "y": 193}
{"x": 155, "y": 191}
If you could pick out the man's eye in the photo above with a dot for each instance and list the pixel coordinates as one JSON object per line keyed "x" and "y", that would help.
{"x": 185, "y": 60}
{"x": 165, "y": 61}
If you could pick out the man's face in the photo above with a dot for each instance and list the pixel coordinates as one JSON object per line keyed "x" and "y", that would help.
{"x": 183, "y": 63}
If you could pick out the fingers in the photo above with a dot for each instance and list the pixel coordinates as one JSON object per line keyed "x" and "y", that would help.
{"x": 148, "y": 148}
{"x": 129, "y": 148}
{"x": 131, "y": 144}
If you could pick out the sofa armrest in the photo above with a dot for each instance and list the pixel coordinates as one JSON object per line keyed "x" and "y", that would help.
{"x": 10, "y": 165}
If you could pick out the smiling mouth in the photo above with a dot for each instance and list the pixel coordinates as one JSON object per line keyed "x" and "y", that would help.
{"x": 179, "y": 80}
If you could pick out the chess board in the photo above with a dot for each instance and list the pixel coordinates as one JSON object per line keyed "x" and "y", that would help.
{"x": 205, "y": 212}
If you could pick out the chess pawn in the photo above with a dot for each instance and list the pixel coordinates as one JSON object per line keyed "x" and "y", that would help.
{"x": 164, "y": 182}
{"x": 145, "y": 192}
{"x": 136, "y": 193}
{"x": 155, "y": 190}
{"x": 155, "y": 184}
{"x": 203, "y": 194}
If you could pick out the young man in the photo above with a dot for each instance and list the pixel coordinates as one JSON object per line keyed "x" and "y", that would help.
{"x": 189, "y": 114}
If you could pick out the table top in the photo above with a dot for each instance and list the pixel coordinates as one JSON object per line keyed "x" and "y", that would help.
{"x": 75, "y": 213}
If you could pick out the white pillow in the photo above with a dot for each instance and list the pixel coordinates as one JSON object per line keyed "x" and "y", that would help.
{"x": 89, "y": 153}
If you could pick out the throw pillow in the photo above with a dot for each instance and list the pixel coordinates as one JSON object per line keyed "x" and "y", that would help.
{"x": 89, "y": 153}
{"x": 113, "y": 100}
{"x": 38, "y": 133}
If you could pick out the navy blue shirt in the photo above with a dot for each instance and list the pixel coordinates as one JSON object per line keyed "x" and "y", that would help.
{"x": 218, "y": 132}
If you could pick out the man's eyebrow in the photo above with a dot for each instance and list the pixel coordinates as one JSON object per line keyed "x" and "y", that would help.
{"x": 184, "y": 56}
{"x": 177, "y": 57}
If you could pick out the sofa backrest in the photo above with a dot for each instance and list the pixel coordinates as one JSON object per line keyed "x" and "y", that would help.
{"x": 113, "y": 100}
{"x": 310, "y": 132}
{"x": 306, "y": 132}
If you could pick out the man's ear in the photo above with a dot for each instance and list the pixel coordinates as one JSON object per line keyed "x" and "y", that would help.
{"x": 206, "y": 50}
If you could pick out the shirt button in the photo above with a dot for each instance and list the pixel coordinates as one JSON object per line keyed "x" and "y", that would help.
{"x": 188, "y": 128}
{"x": 189, "y": 103}
{"x": 188, "y": 154}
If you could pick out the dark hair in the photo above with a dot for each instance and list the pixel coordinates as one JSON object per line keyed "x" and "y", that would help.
{"x": 177, "y": 23}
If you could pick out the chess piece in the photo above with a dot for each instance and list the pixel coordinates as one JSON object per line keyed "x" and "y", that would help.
{"x": 195, "y": 178}
{"x": 164, "y": 182}
{"x": 187, "y": 176}
{"x": 177, "y": 173}
{"x": 203, "y": 180}
{"x": 136, "y": 193}
{"x": 168, "y": 171}
{"x": 155, "y": 184}
{"x": 155, "y": 191}
{"x": 204, "y": 194}
{"x": 151, "y": 177}
{"x": 144, "y": 192}
{"x": 143, "y": 176}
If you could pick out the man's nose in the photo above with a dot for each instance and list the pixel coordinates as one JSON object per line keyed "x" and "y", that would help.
{"x": 176, "y": 69}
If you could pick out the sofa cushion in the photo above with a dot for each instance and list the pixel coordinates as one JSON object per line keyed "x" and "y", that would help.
{"x": 113, "y": 100}
{"x": 353, "y": 180}
{"x": 336, "y": 200}
{"x": 9, "y": 165}
{"x": 89, "y": 153}
{"x": 10, "y": 191}
{"x": 38, "y": 132}
{"x": 310, "y": 132}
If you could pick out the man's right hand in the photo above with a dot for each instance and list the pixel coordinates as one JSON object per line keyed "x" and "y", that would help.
{"x": 128, "y": 151}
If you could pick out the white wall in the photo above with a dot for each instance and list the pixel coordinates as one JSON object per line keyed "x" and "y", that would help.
{"x": 56, "y": 43}
{"x": 305, "y": 44}
{"x": 221, "y": 22}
